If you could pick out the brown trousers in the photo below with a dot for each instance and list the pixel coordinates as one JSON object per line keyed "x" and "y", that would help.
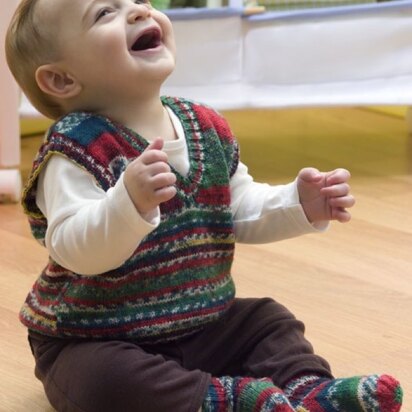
{"x": 256, "y": 338}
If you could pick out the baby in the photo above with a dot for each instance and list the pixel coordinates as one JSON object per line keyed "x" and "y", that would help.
{"x": 139, "y": 200}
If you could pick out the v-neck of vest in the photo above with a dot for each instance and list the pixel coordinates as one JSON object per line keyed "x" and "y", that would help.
{"x": 192, "y": 133}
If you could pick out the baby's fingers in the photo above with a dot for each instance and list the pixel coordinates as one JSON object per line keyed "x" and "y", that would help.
{"x": 162, "y": 180}
{"x": 337, "y": 176}
{"x": 336, "y": 190}
{"x": 310, "y": 175}
{"x": 151, "y": 156}
{"x": 160, "y": 189}
{"x": 341, "y": 215}
{"x": 342, "y": 202}
{"x": 164, "y": 194}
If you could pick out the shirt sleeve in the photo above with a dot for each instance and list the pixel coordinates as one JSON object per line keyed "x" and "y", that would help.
{"x": 264, "y": 213}
{"x": 90, "y": 231}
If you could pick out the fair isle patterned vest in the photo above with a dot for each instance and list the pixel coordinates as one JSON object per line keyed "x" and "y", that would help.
{"x": 178, "y": 279}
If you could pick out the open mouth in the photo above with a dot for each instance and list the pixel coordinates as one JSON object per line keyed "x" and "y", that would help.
{"x": 149, "y": 39}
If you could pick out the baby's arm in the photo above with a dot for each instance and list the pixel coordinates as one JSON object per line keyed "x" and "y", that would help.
{"x": 264, "y": 213}
{"x": 90, "y": 231}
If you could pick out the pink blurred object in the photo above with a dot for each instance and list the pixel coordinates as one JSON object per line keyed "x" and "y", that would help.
{"x": 10, "y": 181}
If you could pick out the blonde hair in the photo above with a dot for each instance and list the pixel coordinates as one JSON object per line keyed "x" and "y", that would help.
{"x": 27, "y": 48}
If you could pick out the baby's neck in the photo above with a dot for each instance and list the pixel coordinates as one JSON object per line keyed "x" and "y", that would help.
{"x": 160, "y": 125}
{"x": 149, "y": 120}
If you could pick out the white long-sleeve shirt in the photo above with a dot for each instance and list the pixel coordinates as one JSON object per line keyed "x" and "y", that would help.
{"x": 91, "y": 231}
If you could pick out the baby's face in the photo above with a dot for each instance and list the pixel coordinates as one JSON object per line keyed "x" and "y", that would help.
{"x": 112, "y": 45}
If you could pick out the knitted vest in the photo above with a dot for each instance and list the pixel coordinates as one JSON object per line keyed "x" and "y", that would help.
{"x": 178, "y": 279}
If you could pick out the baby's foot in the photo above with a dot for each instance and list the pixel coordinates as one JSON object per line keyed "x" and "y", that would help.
{"x": 374, "y": 393}
{"x": 245, "y": 395}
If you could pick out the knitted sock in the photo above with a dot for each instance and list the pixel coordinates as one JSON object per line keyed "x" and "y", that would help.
{"x": 228, "y": 394}
{"x": 375, "y": 393}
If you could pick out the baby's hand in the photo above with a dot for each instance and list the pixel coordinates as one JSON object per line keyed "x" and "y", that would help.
{"x": 149, "y": 180}
{"x": 325, "y": 196}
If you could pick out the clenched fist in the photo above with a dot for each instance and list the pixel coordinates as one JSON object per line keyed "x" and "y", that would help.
{"x": 149, "y": 180}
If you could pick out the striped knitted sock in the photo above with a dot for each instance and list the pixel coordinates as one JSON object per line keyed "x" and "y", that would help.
{"x": 228, "y": 394}
{"x": 375, "y": 393}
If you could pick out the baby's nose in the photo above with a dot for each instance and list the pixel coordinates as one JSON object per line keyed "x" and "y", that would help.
{"x": 139, "y": 12}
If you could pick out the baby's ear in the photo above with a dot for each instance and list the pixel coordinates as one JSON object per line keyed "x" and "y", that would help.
{"x": 54, "y": 81}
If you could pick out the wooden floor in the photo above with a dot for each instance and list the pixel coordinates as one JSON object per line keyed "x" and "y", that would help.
{"x": 351, "y": 286}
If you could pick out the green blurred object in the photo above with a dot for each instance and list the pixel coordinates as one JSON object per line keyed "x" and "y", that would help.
{"x": 177, "y": 4}
{"x": 306, "y": 4}
{"x": 160, "y": 4}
